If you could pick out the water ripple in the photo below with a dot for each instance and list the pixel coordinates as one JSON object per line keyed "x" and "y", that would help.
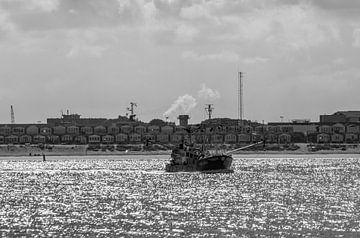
{"x": 127, "y": 197}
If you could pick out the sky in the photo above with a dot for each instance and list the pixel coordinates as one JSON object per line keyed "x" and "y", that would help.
{"x": 300, "y": 58}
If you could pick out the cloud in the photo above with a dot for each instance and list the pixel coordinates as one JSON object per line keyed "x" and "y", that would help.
{"x": 186, "y": 33}
{"x": 88, "y": 42}
{"x": 195, "y": 12}
{"x": 124, "y": 6}
{"x": 208, "y": 93}
{"x": 135, "y": 10}
{"x": 6, "y": 26}
{"x": 44, "y": 5}
{"x": 34, "y": 5}
{"x": 91, "y": 50}
{"x": 182, "y": 104}
{"x": 339, "y": 6}
{"x": 222, "y": 56}
{"x": 339, "y": 61}
{"x": 255, "y": 60}
{"x": 285, "y": 27}
{"x": 294, "y": 27}
{"x": 356, "y": 38}
{"x": 297, "y": 26}
{"x": 50, "y": 15}
{"x": 149, "y": 11}
{"x": 149, "y": 34}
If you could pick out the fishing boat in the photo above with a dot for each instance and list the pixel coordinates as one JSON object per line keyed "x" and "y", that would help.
{"x": 188, "y": 158}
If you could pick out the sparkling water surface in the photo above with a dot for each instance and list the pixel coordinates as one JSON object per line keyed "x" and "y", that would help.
{"x": 131, "y": 196}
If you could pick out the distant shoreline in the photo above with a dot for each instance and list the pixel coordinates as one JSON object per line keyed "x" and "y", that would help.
{"x": 86, "y": 155}
{"x": 82, "y": 150}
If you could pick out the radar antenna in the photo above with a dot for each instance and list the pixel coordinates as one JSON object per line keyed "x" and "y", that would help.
{"x": 209, "y": 109}
{"x": 131, "y": 109}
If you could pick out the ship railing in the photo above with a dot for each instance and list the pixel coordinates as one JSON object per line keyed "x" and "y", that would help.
{"x": 243, "y": 148}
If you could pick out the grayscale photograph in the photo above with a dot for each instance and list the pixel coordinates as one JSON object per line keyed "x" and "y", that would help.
{"x": 179, "y": 118}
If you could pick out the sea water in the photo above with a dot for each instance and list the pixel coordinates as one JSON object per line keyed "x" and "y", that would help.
{"x": 132, "y": 196}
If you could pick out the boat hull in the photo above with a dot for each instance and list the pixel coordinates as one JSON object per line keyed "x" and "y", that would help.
{"x": 209, "y": 164}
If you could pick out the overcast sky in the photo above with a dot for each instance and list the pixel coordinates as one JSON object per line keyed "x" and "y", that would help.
{"x": 93, "y": 57}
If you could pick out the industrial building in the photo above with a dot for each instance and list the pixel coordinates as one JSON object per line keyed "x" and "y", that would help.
{"x": 340, "y": 127}
{"x": 341, "y": 117}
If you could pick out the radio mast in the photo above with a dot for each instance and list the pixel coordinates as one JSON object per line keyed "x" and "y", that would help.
{"x": 240, "y": 99}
